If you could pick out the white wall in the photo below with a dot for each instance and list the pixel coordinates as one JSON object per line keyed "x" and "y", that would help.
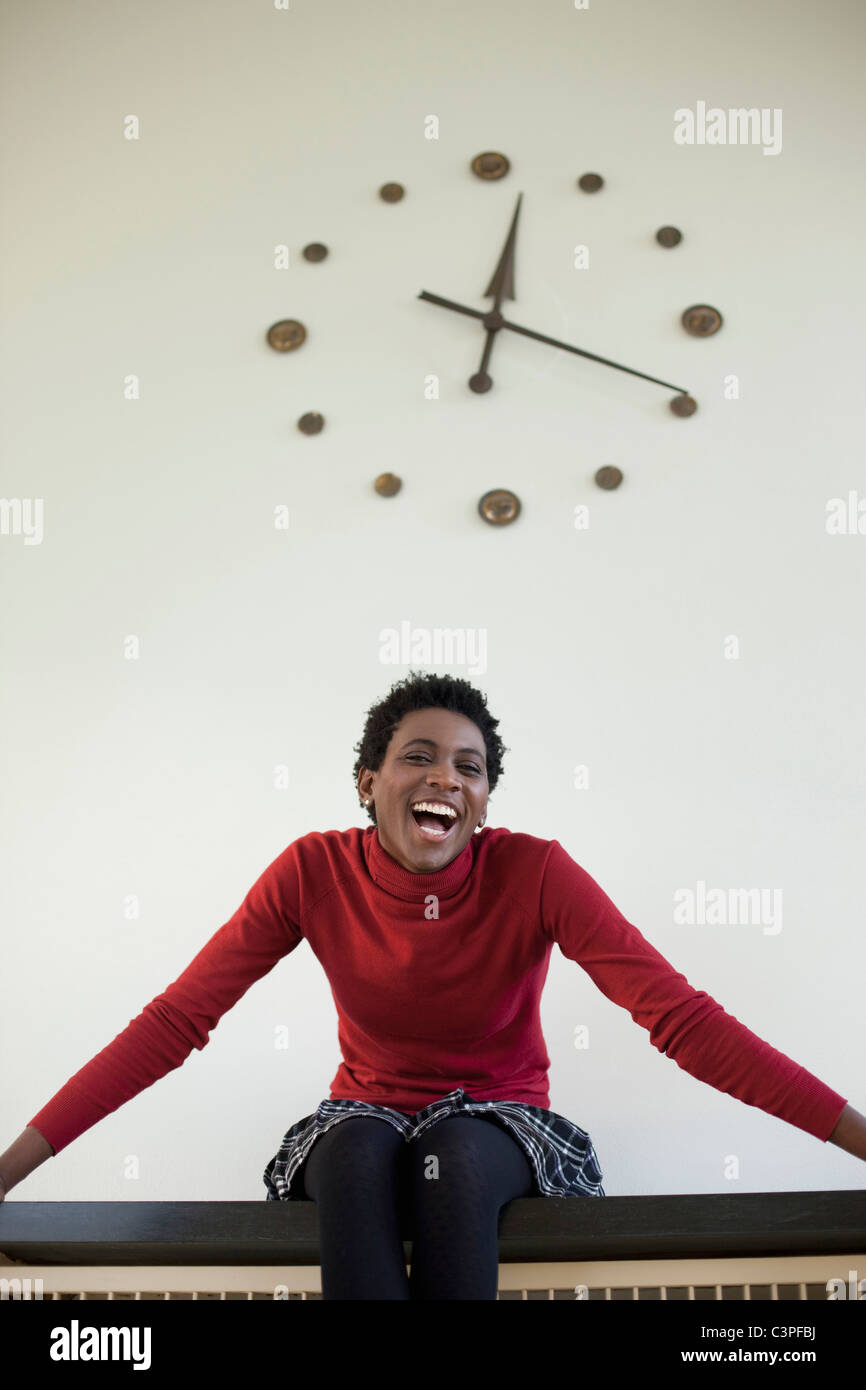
{"x": 259, "y": 647}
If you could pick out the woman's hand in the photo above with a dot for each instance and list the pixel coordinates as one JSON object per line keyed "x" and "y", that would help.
{"x": 26, "y": 1153}
{"x": 850, "y": 1132}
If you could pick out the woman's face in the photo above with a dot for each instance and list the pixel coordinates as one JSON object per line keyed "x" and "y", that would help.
{"x": 434, "y": 755}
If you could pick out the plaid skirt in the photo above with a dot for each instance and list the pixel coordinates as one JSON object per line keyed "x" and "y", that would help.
{"x": 561, "y": 1155}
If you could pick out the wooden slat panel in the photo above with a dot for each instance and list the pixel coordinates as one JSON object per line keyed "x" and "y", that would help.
{"x": 749, "y": 1276}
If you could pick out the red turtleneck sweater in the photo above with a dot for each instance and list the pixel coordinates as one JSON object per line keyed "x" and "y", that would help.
{"x": 437, "y": 980}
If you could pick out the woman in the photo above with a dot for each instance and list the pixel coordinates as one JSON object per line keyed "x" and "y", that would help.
{"x": 435, "y": 935}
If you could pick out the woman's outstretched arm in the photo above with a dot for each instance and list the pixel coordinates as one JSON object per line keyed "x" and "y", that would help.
{"x": 263, "y": 930}
{"x": 849, "y": 1134}
{"x": 684, "y": 1023}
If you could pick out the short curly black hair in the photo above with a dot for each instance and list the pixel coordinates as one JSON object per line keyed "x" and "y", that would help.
{"x": 420, "y": 690}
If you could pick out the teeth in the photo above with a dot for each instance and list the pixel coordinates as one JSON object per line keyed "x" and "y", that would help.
{"x": 435, "y": 806}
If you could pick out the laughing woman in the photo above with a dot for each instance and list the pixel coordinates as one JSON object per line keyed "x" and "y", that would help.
{"x": 435, "y": 934}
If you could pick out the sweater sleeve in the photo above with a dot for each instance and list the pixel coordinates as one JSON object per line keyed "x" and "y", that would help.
{"x": 684, "y": 1023}
{"x": 264, "y": 928}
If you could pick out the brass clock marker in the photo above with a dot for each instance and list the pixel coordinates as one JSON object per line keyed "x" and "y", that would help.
{"x": 490, "y": 165}
{"x": 669, "y": 236}
{"x": 499, "y": 507}
{"x": 311, "y": 423}
{"x": 286, "y": 335}
{"x": 388, "y": 484}
{"x": 608, "y": 477}
{"x": 701, "y": 320}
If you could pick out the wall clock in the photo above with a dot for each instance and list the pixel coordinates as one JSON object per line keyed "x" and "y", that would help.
{"x": 499, "y": 506}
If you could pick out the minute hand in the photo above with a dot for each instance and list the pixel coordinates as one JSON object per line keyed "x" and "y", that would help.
{"x": 554, "y": 342}
{"x": 543, "y": 338}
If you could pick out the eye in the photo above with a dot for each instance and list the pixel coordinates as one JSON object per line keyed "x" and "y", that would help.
{"x": 471, "y": 766}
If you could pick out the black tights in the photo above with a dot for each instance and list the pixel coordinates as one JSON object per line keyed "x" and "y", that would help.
{"x": 450, "y": 1183}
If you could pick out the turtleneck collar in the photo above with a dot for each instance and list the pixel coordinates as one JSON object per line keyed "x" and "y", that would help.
{"x": 414, "y": 888}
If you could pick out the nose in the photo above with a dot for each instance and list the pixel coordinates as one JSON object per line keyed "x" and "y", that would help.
{"x": 440, "y": 775}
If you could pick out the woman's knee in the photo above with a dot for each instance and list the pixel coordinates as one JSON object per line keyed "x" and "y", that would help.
{"x": 356, "y": 1152}
{"x": 472, "y": 1157}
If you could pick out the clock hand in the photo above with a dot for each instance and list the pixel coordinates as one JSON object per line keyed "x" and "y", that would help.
{"x": 481, "y": 381}
{"x": 500, "y": 322}
{"x": 502, "y": 279}
{"x": 501, "y": 284}
{"x": 450, "y": 304}
{"x": 554, "y": 342}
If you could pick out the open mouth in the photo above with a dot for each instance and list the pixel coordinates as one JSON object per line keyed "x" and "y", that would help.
{"x": 433, "y": 826}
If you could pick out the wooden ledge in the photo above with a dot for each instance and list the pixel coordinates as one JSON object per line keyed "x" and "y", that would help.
{"x": 531, "y": 1229}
